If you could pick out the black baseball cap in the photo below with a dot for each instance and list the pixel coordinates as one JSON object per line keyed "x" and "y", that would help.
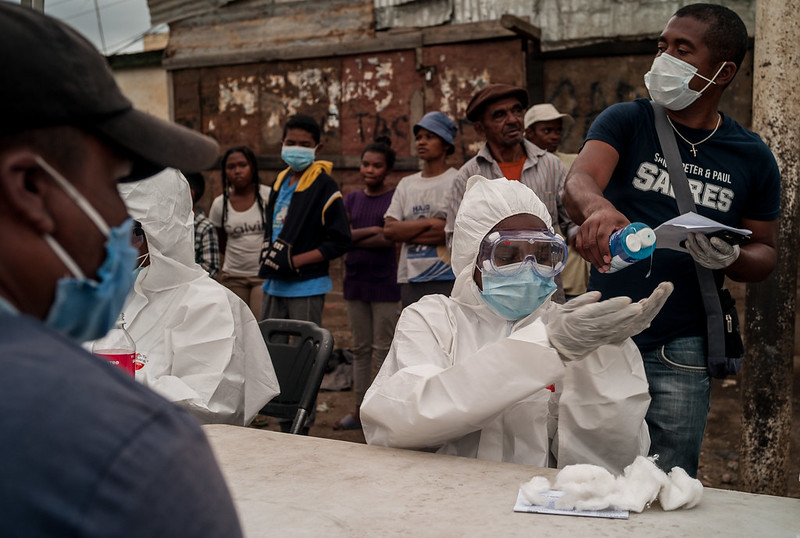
{"x": 53, "y": 76}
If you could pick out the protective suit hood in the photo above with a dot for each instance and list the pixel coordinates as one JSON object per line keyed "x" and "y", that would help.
{"x": 163, "y": 205}
{"x": 486, "y": 202}
{"x": 202, "y": 346}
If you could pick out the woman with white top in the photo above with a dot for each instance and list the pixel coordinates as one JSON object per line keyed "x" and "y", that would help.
{"x": 238, "y": 215}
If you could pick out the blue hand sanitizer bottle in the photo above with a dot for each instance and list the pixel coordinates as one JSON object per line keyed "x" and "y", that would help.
{"x": 634, "y": 242}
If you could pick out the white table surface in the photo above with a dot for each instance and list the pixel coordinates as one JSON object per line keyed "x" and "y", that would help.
{"x": 290, "y": 485}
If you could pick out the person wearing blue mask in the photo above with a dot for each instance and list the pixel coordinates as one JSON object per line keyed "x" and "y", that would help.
{"x": 86, "y": 450}
{"x": 305, "y": 227}
{"x": 497, "y": 370}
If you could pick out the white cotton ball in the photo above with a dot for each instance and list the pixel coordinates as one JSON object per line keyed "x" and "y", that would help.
{"x": 681, "y": 491}
{"x": 533, "y": 490}
{"x": 640, "y": 485}
{"x": 585, "y": 487}
{"x": 600, "y": 502}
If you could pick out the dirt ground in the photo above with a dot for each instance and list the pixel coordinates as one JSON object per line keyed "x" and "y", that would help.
{"x": 718, "y": 458}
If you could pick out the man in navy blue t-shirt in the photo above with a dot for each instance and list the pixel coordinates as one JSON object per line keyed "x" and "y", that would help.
{"x": 621, "y": 176}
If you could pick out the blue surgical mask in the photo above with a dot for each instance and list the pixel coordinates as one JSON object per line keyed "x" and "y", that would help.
{"x": 85, "y": 309}
{"x": 298, "y": 157}
{"x": 515, "y": 296}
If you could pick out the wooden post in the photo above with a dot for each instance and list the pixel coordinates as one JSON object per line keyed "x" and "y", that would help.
{"x": 769, "y": 328}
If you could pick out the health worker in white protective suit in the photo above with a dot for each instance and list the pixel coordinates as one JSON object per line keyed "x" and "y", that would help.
{"x": 202, "y": 345}
{"x": 468, "y": 375}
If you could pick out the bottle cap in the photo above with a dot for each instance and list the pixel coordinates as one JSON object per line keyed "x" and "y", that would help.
{"x": 633, "y": 242}
{"x": 647, "y": 237}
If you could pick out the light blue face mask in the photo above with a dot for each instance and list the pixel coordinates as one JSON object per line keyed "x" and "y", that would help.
{"x": 298, "y": 157}
{"x": 85, "y": 309}
{"x": 518, "y": 295}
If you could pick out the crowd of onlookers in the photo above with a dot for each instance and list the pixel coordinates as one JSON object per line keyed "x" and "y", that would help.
{"x": 394, "y": 238}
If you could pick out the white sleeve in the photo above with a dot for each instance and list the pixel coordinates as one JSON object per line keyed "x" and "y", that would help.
{"x": 211, "y": 362}
{"x": 397, "y": 205}
{"x": 602, "y": 409}
{"x": 428, "y": 393}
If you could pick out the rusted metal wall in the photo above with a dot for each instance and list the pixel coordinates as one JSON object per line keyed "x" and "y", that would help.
{"x": 354, "y": 98}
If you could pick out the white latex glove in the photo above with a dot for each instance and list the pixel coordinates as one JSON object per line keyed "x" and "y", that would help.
{"x": 583, "y": 324}
{"x": 713, "y": 254}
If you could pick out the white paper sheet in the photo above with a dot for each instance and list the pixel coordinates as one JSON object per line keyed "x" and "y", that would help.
{"x": 671, "y": 233}
{"x": 524, "y": 506}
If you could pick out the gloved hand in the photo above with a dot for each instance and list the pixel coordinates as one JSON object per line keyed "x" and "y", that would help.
{"x": 584, "y": 324}
{"x": 278, "y": 257}
{"x": 713, "y": 254}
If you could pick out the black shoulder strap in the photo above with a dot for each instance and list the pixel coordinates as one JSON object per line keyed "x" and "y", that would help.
{"x": 683, "y": 195}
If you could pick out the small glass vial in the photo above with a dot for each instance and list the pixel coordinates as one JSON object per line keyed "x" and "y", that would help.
{"x": 117, "y": 347}
{"x": 634, "y": 242}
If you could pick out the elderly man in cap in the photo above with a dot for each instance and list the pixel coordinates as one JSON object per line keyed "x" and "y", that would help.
{"x": 543, "y": 126}
{"x": 86, "y": 450}
{"x": 497, "y": 114}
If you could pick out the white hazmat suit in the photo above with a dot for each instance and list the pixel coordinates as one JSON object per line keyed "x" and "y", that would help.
{"x": 461, "y": 380}
{"x": 203, "y": 347}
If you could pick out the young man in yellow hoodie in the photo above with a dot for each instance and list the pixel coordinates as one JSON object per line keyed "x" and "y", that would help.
{"x": 306, "y": 227}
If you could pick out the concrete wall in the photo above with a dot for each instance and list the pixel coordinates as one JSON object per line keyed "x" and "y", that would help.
{"x": 584, "y": 87}
{"x": 147, "y": 88}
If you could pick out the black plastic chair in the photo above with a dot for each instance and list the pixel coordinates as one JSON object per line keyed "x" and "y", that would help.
{"x": 300, "y": 352}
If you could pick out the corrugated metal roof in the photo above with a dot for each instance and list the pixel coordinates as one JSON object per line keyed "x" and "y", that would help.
{"x": 165, "y": 11}
{"x": 489, "y": 10}
{"x": 422, "y": 13}
{"x": 412, "y": 13}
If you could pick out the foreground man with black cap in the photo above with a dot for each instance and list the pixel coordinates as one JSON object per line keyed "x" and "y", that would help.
{"x": 86, "y": 451}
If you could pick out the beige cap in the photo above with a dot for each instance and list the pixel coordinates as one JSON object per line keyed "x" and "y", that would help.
{"x": 545, "y": 112}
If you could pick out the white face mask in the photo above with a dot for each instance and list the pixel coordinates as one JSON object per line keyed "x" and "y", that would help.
{"x": 668, "y": 82}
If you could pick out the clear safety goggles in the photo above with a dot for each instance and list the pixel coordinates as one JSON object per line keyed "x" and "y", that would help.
{"x": 510, "y": 252}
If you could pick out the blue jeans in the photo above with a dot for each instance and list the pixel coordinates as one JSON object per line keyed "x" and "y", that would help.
{"x": 680, "y": 389}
